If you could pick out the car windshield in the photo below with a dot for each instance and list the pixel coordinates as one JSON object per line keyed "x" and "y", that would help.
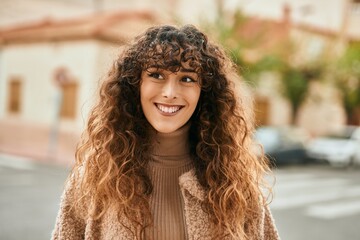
{"x": 268, "y": 137}
{"x": 272, "y": 138}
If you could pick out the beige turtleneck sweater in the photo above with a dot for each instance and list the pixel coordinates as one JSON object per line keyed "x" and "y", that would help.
{"x": 170, "y": 160}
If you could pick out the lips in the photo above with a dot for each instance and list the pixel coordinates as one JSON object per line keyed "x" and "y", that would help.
{"x": 169, "y": 109}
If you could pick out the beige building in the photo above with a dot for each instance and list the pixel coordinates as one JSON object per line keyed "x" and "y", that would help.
{"x": 50, "y": 71}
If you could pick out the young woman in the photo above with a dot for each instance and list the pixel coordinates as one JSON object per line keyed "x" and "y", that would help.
{"x": 167, "y": 153}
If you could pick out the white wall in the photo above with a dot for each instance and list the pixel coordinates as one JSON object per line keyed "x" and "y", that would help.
{"x": 323, "y": 13}
{"x": 322, "y": 110}
{"x": 194, "y": 12}
{"x": 35, "y": 65}
{"x": 3, "y": 86}
{"x": 105, "y": 56}
{"x": 326, "y": 14}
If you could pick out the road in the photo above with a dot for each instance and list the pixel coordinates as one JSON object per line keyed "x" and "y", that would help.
{"x": 311, "y": 202}
{"x": 29, "y": 198}
{"x": 317, "y": 202}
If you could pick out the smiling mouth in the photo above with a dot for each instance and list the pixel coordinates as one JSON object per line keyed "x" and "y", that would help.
{"x": 168, "y": 109}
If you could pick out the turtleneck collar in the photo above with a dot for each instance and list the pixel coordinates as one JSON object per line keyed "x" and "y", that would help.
{"x": 172, "y": 144}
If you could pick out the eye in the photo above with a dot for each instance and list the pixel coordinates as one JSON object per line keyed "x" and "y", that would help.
{"x": 187, "y": 79}
{"x": 155, "y": 75}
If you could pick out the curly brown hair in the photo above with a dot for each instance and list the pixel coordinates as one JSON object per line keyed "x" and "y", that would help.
{"x": 112, "y": 158}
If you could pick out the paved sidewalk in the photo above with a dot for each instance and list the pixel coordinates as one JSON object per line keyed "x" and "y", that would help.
{"x": 30, "y": 197}
{"x": 38, "y": 142}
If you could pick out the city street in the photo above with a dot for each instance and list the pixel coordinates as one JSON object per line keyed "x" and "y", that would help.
{"x": 311, "y": 202}
{"x": 317, "y": 202}
{"x": 29, "y": 199}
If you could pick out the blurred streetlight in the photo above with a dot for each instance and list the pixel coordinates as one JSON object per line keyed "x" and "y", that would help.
{"x": 61, "y": 77}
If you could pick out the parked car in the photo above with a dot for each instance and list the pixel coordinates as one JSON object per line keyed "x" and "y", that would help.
{"x": 341, "y": 148}
{"x": 283, "y": 145}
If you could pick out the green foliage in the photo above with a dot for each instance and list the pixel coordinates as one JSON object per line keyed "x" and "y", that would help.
{"x": 265, "y": 64}
{"x": 294, "y": 86}
{"x": 350, "y": 61}
{"x": 296, "y": 80}
{"x": 347, "y": 76}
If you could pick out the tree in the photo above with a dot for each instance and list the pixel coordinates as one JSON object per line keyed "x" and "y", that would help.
{"x": 347, "y": 79}
{"x": 295, "y": 83}
{"x": 251, "y": 59}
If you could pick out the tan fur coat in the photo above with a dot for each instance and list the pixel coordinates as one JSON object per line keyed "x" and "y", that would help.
{"x": 69, "y": 227}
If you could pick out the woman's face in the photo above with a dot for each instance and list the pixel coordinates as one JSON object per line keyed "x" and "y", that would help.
{"x": 168, "y": 99}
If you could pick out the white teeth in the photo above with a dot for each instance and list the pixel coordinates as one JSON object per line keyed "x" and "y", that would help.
{"x": 168, "y": 109}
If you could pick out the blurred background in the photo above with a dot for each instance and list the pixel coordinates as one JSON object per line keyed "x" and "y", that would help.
{"x": 300, "y": 60}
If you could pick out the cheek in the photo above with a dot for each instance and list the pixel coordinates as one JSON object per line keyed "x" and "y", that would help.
{"x": 195, "y": 96}
{"x": 144, "y": 92}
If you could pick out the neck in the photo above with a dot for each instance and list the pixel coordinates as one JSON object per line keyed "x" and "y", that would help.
{"x": 172, "y": 144}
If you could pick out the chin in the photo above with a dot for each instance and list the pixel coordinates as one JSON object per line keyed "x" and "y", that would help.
{"x": 167, "y": 130}
{"x": 163, "y": 129}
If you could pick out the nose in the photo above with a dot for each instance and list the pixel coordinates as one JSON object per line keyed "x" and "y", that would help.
{"x": 170, "y": 89}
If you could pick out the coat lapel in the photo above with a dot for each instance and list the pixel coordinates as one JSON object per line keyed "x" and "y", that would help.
{"x": 197, "y": 220}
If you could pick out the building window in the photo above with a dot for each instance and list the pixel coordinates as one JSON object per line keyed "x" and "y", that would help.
{"x": 14, "y": 99}
{"x": 261, "y": 110}
{"x": 69, "y": 99}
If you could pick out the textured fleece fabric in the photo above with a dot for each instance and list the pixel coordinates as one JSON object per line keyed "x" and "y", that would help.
{"x": 69, "y": 227}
